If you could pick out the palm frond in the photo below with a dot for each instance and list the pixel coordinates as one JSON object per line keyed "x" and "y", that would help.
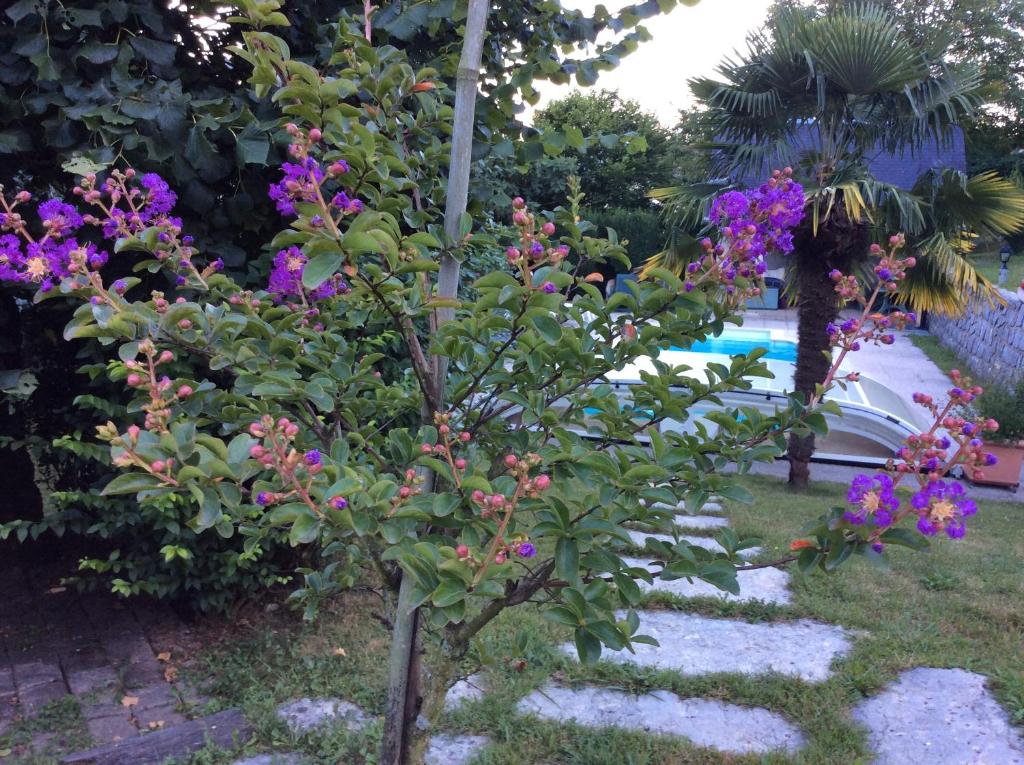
{"x": 944, "y": 280}
{"x": 863, "y": 51}
{"x": 985, "y": 203}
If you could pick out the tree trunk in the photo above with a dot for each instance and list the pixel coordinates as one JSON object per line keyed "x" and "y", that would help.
{"x": 837, "y": 244}
{"x": 413, "y": 691}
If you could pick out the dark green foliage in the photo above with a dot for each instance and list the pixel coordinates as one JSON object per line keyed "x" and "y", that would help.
{"x": 642, "y": 231}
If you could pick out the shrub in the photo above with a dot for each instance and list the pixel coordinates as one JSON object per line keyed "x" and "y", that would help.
{"x": 1005, "y": 406}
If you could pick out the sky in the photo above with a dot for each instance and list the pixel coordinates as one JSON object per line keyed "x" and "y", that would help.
{"x": 688, "y": 42}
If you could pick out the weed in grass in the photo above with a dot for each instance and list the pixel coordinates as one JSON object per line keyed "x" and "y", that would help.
{"x": 939, "y": 581}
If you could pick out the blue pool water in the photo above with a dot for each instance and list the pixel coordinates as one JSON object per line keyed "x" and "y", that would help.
{"x": 744, "y": 341}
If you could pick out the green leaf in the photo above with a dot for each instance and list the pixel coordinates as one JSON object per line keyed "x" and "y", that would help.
{"x": 587, "y": 646}
{"x": 304, "y": 528}
{"x": 159, "y": 53}
{"x": 130, "y": 483}
{"x": 567, "y": 559}
{"x": 253, "y": 151}
{"x": 905, "y": 538}
{"x": 722, "y": 575}
{"x": 319, "y": 268}
{"x": 22, "y": 8}
{"x": 450, "y": 592}
{"x": 548, "y": 328}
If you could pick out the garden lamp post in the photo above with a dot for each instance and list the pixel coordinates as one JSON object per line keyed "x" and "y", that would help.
{"x": 1004, "y": 259}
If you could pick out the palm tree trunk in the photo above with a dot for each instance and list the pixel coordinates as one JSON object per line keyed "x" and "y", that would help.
{"x": 837, "y": 243}
{"x": 816, "y": 307}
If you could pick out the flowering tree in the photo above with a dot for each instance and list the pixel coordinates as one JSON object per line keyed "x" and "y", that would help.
{"x": 465, "y": 457}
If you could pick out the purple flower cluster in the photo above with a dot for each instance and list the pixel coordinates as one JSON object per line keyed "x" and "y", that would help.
{"x": 765, "y": 215}
{"x": 59, "y": 218}
{"x": 943, "y": 506}
{"x": 286, "y": 278}
{"x": 346, "y": 204}
{"x": 752, "y": 224}
{"x": 46, "y": 262}
{"x": 872, "y": 500}
{"x": 301, "y": 183}
{"x": 151, "y": 206}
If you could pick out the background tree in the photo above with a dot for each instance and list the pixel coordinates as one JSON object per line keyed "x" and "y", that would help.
{"x": 824, "y": 93}
{"x": 614, "y": 172}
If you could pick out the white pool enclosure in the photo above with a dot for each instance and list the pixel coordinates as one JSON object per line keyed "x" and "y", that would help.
{"x": 874, "y": 422}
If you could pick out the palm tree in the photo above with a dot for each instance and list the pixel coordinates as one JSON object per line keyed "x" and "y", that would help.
{"x": 824, "y": 94}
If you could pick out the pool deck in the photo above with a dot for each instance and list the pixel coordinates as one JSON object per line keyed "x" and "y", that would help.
{"x": 902, "y": 366}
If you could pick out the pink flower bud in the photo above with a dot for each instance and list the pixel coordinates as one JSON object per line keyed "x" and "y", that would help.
{"x": 159, "y": 466}
{"x": 460, "y": 463}
{"x": 291, "y": 431}
{"x": 315, "y": 135}
{"x": 134, "y": 380}
{"x": 443, "y": 430}
{"x": 465, "y": 436}
{"x": 185, "y": 391}
{"x": 283, "y": 422}
{"x": 499, "y": 558}
{"x": 542, "y": 482}
{"x": 256, "y": 451}
{"x": 185, "y": 324}
{"x": 257, "y": 430}
{"x": 518, "y": 203}
{"x": 165, "y": 357}
{"x": 426, "y": 448}
{"x": 548, "y": 228}
{"x": 462, "y": 551}
{"x": 519, "y": 218}
{"x": 477, "y": 496}
{"x": 404, "y": 492}
{"x": 511, "y": 460}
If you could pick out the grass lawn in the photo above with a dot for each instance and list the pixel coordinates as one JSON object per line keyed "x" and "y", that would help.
{"x": 987, "y": 264}
{"x": 960, "y": 605}
{"x": 940, "y": 355}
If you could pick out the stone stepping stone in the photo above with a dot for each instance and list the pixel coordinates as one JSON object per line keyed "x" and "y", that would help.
{"x": 701, "y": 645}
{"x": 639, "y": 538}
{"x": 726, "y": 727}
{"x": 942, "y": 717}
{"x": 701, "y": 522}
{"x": 304, "y": 715}
{"x": 464, "y": 691}
{"x": 767, "y": 585}
{"x": 282, "y": 758}
{"x": 712, "y": 506}
{"x": 454, "y": 750}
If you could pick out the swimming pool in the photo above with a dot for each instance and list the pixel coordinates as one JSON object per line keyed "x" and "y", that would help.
{"x": 742, "y": 341}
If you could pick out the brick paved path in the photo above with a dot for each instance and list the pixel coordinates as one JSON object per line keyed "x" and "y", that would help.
{"x": 56, "y": 642}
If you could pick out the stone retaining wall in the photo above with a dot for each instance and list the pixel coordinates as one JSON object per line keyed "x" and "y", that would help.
{"x": 990, "y": 340}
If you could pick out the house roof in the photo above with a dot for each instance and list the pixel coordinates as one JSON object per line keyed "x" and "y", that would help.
{"x": 901, "y": 168}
